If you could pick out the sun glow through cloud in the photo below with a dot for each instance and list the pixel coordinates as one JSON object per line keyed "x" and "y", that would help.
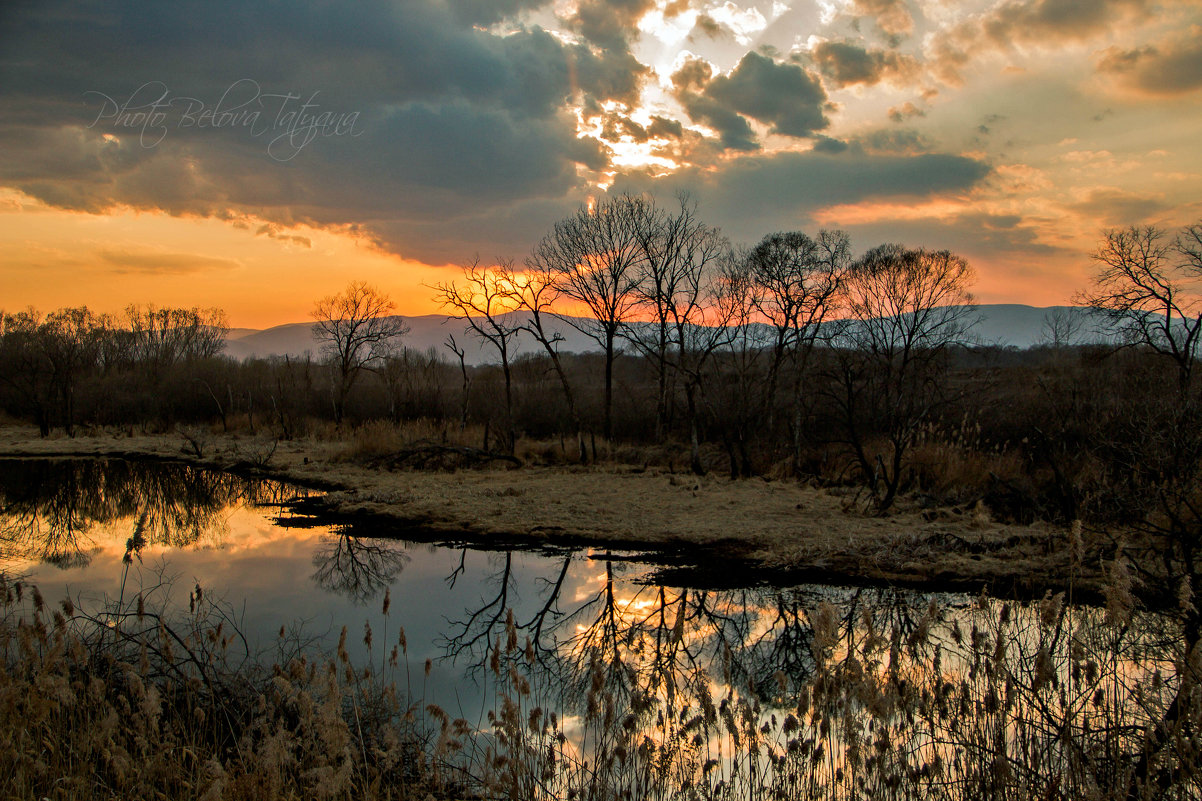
{"x": 993, "y": 128}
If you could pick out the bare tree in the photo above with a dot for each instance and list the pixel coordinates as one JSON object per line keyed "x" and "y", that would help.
{"x": 796, "y": 280}
{"x": 594, "y": 256}
{"x": 71, "y": 339}
{"x": 678, "y": 254}
{"x": 1061, "y": 329}
{"x": 1149, "y": 289}
{"x": 680, "y": 285}
{"x": 465, "y": 390}
{"x": 483, "y": 300}
{"x": 534, "y": 290}
{"x": 907, "y": 308}
{"x": 162, "y": 336}
{"x": 356, "y": 333}
{"x": 24, "y": 368}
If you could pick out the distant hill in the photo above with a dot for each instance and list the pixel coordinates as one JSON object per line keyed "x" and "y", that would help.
{"x": 1024, "y": 326}
{"x": 1000, "y": 324}
{"x": 425, "y": 331}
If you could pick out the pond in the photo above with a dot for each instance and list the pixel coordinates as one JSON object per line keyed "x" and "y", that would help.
{"x": 666, "y": 690}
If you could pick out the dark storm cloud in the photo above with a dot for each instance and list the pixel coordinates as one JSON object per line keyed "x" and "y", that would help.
{"x": 1171, "y": 67}
{"x": 847, "y": 64}
{"x": 755, "y": 194}
{"x": 448, "y": 116}
{"x": 1042, "y": 23}
{"x": 783, "y": 96}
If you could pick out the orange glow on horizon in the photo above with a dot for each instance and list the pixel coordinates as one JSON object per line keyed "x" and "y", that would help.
{"x": 262, "y": 275}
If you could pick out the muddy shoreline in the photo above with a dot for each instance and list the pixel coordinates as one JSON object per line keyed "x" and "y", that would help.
{"x": 707, "y": 532}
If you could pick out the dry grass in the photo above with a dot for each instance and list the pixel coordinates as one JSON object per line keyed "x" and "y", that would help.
{"x": 996, "y": 701}
{"x": 132, "y": 701}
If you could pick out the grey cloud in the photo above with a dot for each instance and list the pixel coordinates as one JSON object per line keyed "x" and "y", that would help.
{"x": 490, "y": 12}
{"x": 905, "y": 111}
{"x": 847, "y": 64}
{"x": 707, "y": 26}
{"x": 975, "y": 235}
{"x": 272, "y": 231}
{"x": 664, "y": 128}
{"x": 1171, "y": 67}
{"x": 754, "y": 194}
{"x": 782, "y": 96}
{"x": 609, "y": 24}
{"x": 451, "y": 118}
{"x": 1113, "y": 206}
{"x": 896, "y": 140}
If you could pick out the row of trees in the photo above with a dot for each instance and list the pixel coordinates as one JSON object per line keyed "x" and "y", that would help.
{"x": 733, "y": 326}
{"x": 45, "y": 359}
{"x": 791, "y": 353}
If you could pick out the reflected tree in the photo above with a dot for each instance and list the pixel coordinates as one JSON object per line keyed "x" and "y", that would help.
{"x": 358, "y": 568}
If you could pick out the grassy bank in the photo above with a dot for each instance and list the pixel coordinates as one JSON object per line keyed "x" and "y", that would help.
{"x": 626, "y": 499}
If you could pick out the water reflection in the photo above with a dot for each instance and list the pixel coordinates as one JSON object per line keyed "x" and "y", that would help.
{"x": 584, "y": 673}
{"x": 359, "y": 568}
{"x": 54, "y": 509}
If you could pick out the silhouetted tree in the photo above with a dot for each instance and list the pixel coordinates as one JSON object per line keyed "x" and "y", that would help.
{"x": 907, "y": 308}
{"x": 356, "y": 334}
{"x": 535, "y": 290}
{"x": 483, "y": 300}
{"x": 594, "y": 256}
{"x": 1149, "y": 289}
{"x": 796, "y": 282}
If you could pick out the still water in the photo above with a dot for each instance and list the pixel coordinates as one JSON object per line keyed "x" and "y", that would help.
{"x": 105, "y": 530}
{"x": 824, "y": 691}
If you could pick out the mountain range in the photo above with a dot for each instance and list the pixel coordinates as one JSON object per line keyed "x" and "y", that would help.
{"x": 1010, "y": 324}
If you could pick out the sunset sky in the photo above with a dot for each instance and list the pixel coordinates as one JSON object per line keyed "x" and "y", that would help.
{"x": 257, "y": 156}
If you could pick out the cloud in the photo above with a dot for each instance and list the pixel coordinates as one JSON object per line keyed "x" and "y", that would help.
{"x": 448, "y": 116}
{"x": 742, "y": 24}
{"x": 152, "y": 262}
{"x": 847, "y": 64}
{"x": 892, "y": 16}
{"x": 273, "y": 231}
{"x": 609, "y": 24}
{"x": 758, "y": 193}
{"x": 783, "y": 96}
{"x": 490, "y": 12}
{"x": 1170, "y": 67}
{"x": 895, "y": 140}
{"x": 664, "y": 128}
{"x": 1039, "y": 23}
{"x": 905, "y": 111}
{"x": 1107, "y": 205}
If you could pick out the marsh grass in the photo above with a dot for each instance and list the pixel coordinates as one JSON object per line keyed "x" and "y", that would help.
{"x": 132, "y": 701}
{"x": 996, "y": 701}
{"x": 989, "y": 700}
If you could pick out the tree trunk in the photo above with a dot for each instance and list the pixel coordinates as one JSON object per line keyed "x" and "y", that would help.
{"x": 609, "y": 384}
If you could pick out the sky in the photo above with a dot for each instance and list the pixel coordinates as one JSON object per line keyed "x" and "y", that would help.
{"x": 257, "y": 156}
